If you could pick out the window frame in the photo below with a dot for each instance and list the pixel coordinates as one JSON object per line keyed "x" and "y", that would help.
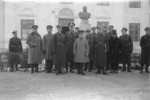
{"x": 26, "y": 27}
{"x": 133, "y": 30}
{"x": 133, "y": 5}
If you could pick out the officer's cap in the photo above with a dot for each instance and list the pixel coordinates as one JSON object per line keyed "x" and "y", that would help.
{"x": 147, "y": 28}
{"x": 114, "y": 32}
{"x": 124, "y": 28}
{"x": 34, "y": 26}
{"x": 81, "y": 31}
{"x": 49, "y": 26}
{"x": 93, "y": 27}
{"x": 59, "y": 26}
{"x": 111, "y": 26}
{"x": 76, "y": 27}
{"x": 98, "y": 28}
{"x": 88, "y": 30}
{"x": 71, "y": 24}
{"x": 14, "y": 32}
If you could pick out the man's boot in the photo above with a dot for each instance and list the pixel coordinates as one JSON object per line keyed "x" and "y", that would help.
{"x": 146, "y": 70}
{"x": 124, "y": 68}
{"x": 104, "y": 72}
{"x": 129, "y": 68}
{"x": 32, "y": 68}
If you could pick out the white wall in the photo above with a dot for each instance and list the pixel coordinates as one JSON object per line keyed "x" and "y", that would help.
{"x": 119, "y": 14}
{"x": 1, "y": 26}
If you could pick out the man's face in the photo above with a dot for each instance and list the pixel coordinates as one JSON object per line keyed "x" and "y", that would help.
{"x": 99, "y": 31}
{"x": 59, "y": 29}
{"x": 77, "y": 29}
{"x": 15, "y": 34}
{"x": 88, "y": 32}
{"x": 81, "y": 35}
{"x": 123, "y": 32}
{"x": 49, "y": 30}
{"x": 111, "y": 29}
{"x": 34, "y": 29}
{"x": 93, "y": 30}
{"x": 71, "y": 28}
{"x": 148, "y": 32}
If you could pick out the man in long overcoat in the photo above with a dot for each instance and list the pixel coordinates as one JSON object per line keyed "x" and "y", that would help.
{"x": 15, "y": 48}
{"x": 81, "y": 52}
{"x": 100, "y": 51}
{"x": 108, "y": 35}
{"x": 48, "y": 49}
{"x": 90, "y": 38}
{"x": 126, "y": 49}
{"x": 114, "y": 50}
{"x": 145, "y": 50}
{"x": 71, "y": 35}
{"x": 35, "y": 47}
{"x": 59, "y": 49}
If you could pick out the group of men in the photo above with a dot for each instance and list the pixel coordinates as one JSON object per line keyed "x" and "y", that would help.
{"x": 80, "y": 49}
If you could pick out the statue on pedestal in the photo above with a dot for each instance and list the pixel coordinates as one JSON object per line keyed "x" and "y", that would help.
{"x": 84, "y": 16}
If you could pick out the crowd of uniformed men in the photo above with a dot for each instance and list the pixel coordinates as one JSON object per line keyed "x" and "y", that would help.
{"x": 80, "y": 50}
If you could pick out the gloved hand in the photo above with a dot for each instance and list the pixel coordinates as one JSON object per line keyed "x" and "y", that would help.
{"x": 44, "y": 51}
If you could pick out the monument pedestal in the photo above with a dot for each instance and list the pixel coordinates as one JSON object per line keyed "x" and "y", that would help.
{"x": 84, "y": 25}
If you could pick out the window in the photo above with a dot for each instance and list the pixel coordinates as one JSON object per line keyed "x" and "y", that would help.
{"x": 66, "y": 2}
{"x": 26, "y": 28}
{"x": 103, "y": 3}
{"x": 103, "y": 25}
{"x": 134, "y": 4}
{"x": 134, "y": 31}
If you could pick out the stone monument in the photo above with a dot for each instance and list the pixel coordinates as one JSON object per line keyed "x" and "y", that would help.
{"x": 84, "y": 16}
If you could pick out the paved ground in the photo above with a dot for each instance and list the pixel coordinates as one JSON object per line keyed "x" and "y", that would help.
{"x": 43, "y": 86}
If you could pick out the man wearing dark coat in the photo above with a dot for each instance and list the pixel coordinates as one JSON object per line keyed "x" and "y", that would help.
{"x": 15, "y": 48}
{"x": 47, "y": 48}
{"x": 71, "y": 35}
{"x": 90, "y": 38}
{"x": 114, "y": 51}
{"x": 59, "y": 50}
{"x": 93, "y": 31}
{"x": 77, "y": 29}
{"x": 108, "y": 35}
{"x": 100, "y": 51}
{"x": 34, "y": 42}
{"x": 145, "y": 50}
{"x": 126, "y": 49}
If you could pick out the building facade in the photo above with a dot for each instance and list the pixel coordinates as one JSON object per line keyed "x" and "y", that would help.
{"x": 20, "y": 16}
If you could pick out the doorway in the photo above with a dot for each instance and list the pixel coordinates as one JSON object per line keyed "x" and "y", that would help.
{"x": 65, "y": 29}
{"x": 64, "y": 23}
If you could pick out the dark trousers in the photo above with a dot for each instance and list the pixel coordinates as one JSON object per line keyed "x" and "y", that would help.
{"x": 48, "y": 66}
{"x": 128, "y": 66}
{"x": 101, "y": 68}
{"x": 14, "y": 60}
{"x": 71, "y": 66}
{"x": 86, "y": 66}
{"x": 34, "y": 67}
{"x": 108, "y": 65}
{"x": 58, "y": 69}
{"x": 142, "y": 65}
{"x": 80, "y": 69}
{"x": 114, "y": 66}
{"x": 89, "y": 66}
